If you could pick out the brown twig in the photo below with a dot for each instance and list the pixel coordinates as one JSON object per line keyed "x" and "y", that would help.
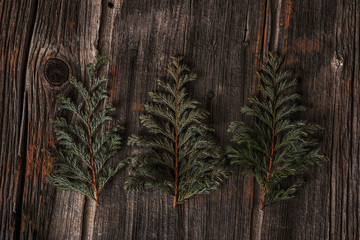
{"x": 176, "y": 169}
{"x": 270, "y": 160}
{"x": 92, "y": 167}
{"x": 176, "y": 147}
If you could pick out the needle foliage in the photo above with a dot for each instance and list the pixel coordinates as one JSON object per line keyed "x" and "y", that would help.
{"x": 179, "y": 153}
{"x": 83, "y": 146}
{"x": 274, "y": 147}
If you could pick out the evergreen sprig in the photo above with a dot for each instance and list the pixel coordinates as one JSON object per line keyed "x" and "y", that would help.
{"x": 83, "y": 145}
{"x": 180, "y": 155}
{"x": 274, "y": 147}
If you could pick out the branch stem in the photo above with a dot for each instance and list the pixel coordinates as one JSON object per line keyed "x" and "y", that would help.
{"x": 92, "y": 155}
{"x": 175, "y": 203}
{"x": 271, "y": 156}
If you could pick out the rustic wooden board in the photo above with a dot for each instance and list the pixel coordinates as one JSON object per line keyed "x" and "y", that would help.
{"x": 224, "y": 41}
{"x": 15, "y": 26}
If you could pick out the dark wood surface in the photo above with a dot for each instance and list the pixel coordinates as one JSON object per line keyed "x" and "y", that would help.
{"x": 225, "y": 42}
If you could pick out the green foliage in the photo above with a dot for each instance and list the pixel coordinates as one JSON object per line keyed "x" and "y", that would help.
{"x": 274, "y": 147}
{"x": 180, "y": 155}
{"x": 83, "y": 146}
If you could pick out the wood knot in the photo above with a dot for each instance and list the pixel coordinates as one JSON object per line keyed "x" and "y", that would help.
{"x": 56, "y": 71}
{"x": 210, "y": 95}
{"x": 245, "y": 44}
{"x": 110, "y": 5}
{"x": 336, "y": 63}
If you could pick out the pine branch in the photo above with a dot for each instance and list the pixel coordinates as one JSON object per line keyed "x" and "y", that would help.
{"x": 83, "y": 146}
{"x": 180, "y": 155}
{"x": 275, "y": 147}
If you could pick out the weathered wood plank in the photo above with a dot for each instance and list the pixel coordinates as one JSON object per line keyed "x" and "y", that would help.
{"x": 215, "y": 37}
{"x": 316, "y": 42}
{"x": 15, "y": 28}
{"x": 224, "y": 41}
{"x": 66, "y": 31}
{"x": 320, "y": 42}
{"x": 208, "y": 42}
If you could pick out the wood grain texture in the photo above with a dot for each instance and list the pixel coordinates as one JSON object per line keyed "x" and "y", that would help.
{"x": 224, "y": 41}
{"x": 16, "y": 29}
{"x": 66, "y": 30}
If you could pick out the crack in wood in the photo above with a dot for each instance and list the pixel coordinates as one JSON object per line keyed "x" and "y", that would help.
{"x": 257, "y": 220}
{"x": 23, "y": 135}
{"x": 276, "y": 25}
{"x": 264, "y": 32}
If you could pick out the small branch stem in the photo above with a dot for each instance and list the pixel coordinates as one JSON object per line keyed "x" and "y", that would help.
{"x": 92, "y": 155}
{"x": 176, "y": 147}
{"x": 176, "y": 169}
{"x": 271, "y": 156}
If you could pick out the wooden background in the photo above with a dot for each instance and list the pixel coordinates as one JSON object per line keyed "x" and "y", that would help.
{"x": 224, "y": 41}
